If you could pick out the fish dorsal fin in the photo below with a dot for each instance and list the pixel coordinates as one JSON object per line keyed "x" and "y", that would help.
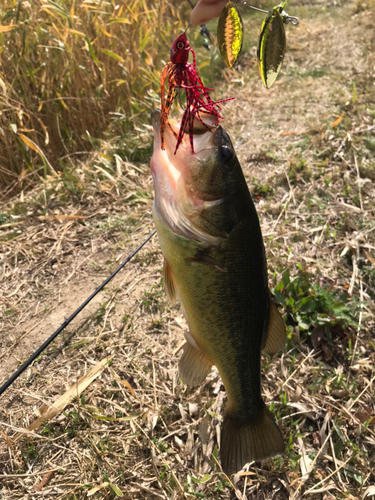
{"x": 276, "y": 335}
{"x": 193, "y": 367}
{"x": 169, "y": 282}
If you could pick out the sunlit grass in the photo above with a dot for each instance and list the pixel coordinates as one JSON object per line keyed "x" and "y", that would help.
{"x": 71, "y": 71}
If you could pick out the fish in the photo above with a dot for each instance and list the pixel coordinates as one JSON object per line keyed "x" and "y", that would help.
{"x": 215, "y": 265}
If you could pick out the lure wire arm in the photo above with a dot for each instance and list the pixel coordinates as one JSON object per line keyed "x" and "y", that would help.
{"x": 255, "y": 8}
{"x": 287, "y": 19}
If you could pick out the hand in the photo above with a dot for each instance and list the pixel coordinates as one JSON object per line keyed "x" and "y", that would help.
{"x": 205, "y": 10}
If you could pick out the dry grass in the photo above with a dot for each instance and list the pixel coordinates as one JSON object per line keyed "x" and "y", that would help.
{"x": 310, "y": 164}
{"x": 72, "y": 73}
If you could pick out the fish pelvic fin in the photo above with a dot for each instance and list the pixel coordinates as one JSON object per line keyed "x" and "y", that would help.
{"x": 169, "y": 282}
{"x": 194, "y": 366}
{"x": 276, "y": 335}
{"x": 243, "y": 441}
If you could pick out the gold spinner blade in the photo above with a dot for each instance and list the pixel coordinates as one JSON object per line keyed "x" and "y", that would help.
{"x": 271, "y": 45}
{"x": 230, "y": 34}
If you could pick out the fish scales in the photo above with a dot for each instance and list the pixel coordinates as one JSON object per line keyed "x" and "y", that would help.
{"x": 219, "y": 330}
{"x": 211, "y": 240}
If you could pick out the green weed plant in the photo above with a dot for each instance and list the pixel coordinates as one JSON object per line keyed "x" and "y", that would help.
{"x": 309, "y": 305}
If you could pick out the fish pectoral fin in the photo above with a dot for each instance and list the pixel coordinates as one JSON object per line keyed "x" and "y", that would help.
{"x": 276, "y": 335}
{"x": 207, "y": 260}
{"x": 194, "y": 366}
{"x": 244, "y": 440}
{"x": 169, "y": 282}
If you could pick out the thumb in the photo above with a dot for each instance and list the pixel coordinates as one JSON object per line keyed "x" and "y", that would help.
{"x": 205, "y": 10}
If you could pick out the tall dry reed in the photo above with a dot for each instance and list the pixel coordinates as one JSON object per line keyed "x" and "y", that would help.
{"x": 69, "y": 69}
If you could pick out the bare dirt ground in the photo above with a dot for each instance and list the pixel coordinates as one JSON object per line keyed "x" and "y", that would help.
{"x": 307, "y": 150}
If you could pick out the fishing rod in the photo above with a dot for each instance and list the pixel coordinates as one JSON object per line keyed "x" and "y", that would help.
{"x": 67, "y": 321}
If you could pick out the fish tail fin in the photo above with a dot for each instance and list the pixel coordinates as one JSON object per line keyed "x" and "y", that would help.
{"x": 243, "y": 441}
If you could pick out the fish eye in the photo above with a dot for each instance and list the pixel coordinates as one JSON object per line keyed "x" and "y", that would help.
{"x": 181, "y": 45}
{"x": 225, "y": 153}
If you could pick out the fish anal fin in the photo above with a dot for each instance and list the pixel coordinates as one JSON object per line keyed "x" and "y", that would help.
{"x": 194, "y": 366}
{"x": 169, "y": 282}
{"x": 243, "y": 441}
{"x": 276, "y": 335}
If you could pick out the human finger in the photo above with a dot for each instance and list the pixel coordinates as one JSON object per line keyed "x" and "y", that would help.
{"x": 205, "y": 10}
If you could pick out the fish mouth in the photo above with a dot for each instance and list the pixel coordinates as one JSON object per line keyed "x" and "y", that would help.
{"x": 172, "y": 129}
{"x": 177, "y": 200}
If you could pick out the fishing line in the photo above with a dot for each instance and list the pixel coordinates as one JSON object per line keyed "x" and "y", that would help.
{"x": 67, "y": 321}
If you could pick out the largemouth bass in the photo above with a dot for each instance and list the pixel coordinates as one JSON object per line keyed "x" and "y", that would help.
{"x": 215, "y": 264}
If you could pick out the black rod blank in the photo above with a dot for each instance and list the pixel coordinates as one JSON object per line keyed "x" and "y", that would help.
{"x": 37, "y": 353}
